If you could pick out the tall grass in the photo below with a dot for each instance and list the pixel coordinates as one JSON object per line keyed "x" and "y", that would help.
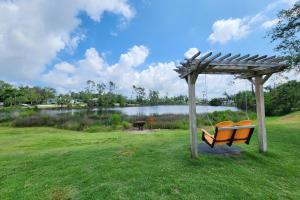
{"x": 92, "y": 122}
{"x": 181, "y": 121}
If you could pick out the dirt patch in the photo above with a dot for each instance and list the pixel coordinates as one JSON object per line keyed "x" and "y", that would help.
{"x": 145, "y": 131}
{"x": 63, "y": 193}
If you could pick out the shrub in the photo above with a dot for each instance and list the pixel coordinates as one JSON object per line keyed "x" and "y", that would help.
{"x": 126, "y": 125}
{"x": 115, "y": 119}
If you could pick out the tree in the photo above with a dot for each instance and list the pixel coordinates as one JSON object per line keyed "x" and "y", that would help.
{"x": 121, "y": 99}
{"x": 90, "y": 86}
{"x": 245, "y": 99}
{"x": 153, "y": 97}
{"x": 140, "y": 94}
{"x": 4, "y": 87}
{"x": 101, "y": 88}
{"x": 283, "y": 99}
{"x": 216, "y": 102}
{"x": 286, "y": 33}
{"x": 63, "y": 100}
{"x": 111, "y": 87}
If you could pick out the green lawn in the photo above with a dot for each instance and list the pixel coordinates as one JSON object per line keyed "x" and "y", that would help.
{"x": 48, "y": 163}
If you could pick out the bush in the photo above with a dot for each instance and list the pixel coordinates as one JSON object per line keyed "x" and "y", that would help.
{"x": 115, "y": 119}
{"x": 9, "y": 114}
{"x": 32, "y": 121}
{"x": 108, "y": 121}
{"x": 228, "y": 115}
{"x": 126, "y": 125}
{"x": 283, "y": 99}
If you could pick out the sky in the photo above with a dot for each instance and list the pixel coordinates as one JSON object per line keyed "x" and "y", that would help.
{"x": 64, "y": 43}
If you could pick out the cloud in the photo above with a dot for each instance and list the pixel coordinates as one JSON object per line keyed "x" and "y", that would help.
{"x": 158, "y": 76}
{"x": 32, "y": 33}
{"x": 125, "y": 73}
{"x": 225, "y": 30}
{"x": 270, "y": 23}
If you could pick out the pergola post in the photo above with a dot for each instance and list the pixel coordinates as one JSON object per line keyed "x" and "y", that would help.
{"x": 260, "y": 109}
{"x": 192, "y": 115}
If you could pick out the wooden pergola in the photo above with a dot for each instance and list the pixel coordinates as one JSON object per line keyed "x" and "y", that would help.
{"x": 257, "y": 69}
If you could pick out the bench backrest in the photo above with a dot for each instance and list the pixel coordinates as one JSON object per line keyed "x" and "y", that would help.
{"x": 241, "y": 132}
{"x": 223, "y": 136}
{"x": 241, "y": 135}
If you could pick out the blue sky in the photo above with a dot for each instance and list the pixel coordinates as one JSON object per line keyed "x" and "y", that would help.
{"x": 64, "y": 43}
{"x": 168, "y": 28}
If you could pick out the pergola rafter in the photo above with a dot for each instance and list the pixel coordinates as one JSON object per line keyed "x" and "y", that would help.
{"x": 245, "y": 66}
{"x": 257, "y": 69}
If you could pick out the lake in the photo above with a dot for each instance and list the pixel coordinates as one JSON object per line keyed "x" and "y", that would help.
{"x": 148, "y": 110}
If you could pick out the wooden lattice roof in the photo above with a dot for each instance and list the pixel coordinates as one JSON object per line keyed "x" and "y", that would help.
{"x": 243, "y": 66}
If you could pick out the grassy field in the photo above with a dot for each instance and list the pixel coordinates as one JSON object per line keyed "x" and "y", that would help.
{"x": 47, "y": 163}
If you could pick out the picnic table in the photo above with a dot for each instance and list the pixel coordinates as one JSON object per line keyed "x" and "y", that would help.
{"x": 139, "y": 125}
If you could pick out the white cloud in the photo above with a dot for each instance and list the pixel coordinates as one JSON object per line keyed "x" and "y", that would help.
{"x": 191, "y": 52}
{"x": 157, "y": 76}
{"x": 65, "y": 67}
{"x": 270, "y": 23}
{"x": 93, "y": 67}
{"x": 225, "y": 30}
{"x": 125, "y": 73}
{"x": 33, "y": 32}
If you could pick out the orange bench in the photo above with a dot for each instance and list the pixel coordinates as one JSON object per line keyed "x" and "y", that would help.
{"x": 228, "y": 132}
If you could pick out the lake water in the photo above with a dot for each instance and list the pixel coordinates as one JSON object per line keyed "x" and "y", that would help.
{"x": 148, "y": 110}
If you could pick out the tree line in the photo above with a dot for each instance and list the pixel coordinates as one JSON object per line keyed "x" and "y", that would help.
{"x": 10, "y": 95}
{"x": 279, "y": 100}
{"x": 93, "y": 95}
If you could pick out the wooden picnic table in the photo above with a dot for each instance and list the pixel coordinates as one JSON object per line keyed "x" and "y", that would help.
{"x": 139, "y": 125}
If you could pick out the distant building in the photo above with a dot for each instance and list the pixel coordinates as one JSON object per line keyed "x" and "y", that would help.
{"x": 75, "y": 101}
{"x": 51, "y": 101}
{"x": 26, "y": 105}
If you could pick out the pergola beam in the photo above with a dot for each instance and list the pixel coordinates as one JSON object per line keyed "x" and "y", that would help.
{"x": 233, "y": 57}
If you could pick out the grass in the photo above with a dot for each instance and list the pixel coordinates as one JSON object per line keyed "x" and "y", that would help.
{"x": 49, "y": 163}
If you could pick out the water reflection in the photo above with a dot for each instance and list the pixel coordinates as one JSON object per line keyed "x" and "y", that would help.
{"x": 144, "y": 110}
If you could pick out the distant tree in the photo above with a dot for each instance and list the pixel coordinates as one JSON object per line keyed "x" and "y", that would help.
{"x": 181, "y": 99}
{"x": 121, "y": 99}
{"x": 216, "y": 102}
{"x": 111, "y": 87}
{"x": 90, "y": 86}
{"x": 9, "y": 101}
{"x": 153, "y": 97}
{"x": 287, "y": 34}
{"x": 104, "y": 100}
{"x": 5, "y": 90}
{"x": 283, "y": 99}
{"x": 101, "y": 88}
{"x": 63, "y": 99}
{"x": 140, "y": 93}
{"x": 245, "y": 99}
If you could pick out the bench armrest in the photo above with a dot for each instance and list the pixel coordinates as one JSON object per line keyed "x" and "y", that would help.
{"x": 207, "y": 133}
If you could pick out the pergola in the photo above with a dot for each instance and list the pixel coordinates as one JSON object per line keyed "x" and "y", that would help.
{"x": 257, "y": 69}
